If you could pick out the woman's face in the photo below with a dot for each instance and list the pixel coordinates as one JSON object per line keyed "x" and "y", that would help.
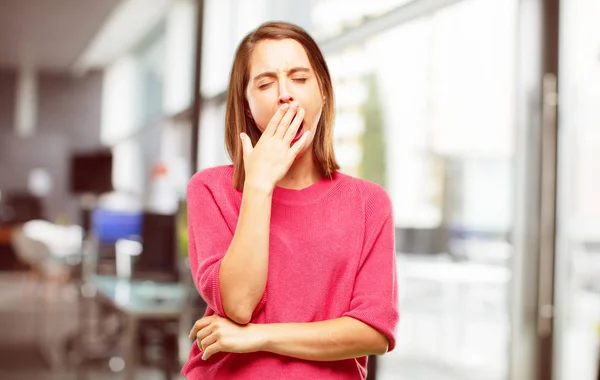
{"x": 280, "y": 72}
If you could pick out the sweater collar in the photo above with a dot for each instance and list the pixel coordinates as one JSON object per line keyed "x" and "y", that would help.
{"x": 307, "y": 195}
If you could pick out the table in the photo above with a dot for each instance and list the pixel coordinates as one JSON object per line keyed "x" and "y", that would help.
{"x": 454, "y": 272}
{"x": 139, "y": 300}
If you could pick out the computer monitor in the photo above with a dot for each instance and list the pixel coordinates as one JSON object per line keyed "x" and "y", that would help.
{"x": 159, "y": 259}
{"x": 22, "y": 207}
{"x": 91, "y": 172}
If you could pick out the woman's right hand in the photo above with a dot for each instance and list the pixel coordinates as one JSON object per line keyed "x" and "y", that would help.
{"x": 268, "y": 161}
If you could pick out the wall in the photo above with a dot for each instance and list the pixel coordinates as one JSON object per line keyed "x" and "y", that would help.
{"x": 68, "y": 120}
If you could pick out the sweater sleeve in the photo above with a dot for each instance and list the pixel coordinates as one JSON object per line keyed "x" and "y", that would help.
{"x": 209, "y": 237}
{"x": 375, "y": 295}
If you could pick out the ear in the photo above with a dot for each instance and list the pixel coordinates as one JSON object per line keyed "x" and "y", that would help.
{"x": 249, "y": 114}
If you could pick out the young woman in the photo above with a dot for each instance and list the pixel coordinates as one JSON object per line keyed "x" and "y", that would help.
{"x": 295, "y": 260}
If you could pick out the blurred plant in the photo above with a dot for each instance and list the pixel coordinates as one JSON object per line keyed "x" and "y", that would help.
{"x": 373, "y": 164}
{"x": 182, "y": 229}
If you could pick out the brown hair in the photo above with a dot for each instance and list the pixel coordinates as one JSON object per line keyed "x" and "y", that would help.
{"x": 238, "y": 118}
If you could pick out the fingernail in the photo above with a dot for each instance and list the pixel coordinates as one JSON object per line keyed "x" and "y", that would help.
{"x": 285, "y": 106}
{"x": 203, "y": 356}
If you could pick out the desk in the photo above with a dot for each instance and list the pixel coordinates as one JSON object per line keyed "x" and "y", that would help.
{"x": 458, "y": 273}
{"x": 139, "y": 300}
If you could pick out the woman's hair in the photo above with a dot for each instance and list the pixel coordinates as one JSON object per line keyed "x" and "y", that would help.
{"x": 238, "y": 117}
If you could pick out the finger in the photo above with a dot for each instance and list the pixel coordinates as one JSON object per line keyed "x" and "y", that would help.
{"x": 274, "y": 122}
{"x": 246, "y": 144}
{"x": 211, "y": 350}
{"x": 286, "y": 120}
{"x": 199, "y": 325}
{"x": 203, "y": 333}
{"x": 293, "y": 129}
{"x": 298, "y": 145}
{"x": 207, "y": 341}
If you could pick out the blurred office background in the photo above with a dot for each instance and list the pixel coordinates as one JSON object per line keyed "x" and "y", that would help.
{"x": 481, "y": 118}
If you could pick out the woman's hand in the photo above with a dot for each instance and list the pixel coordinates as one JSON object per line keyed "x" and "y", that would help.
{"x": 217, "y": 334}
{"x": 268, "y": 161}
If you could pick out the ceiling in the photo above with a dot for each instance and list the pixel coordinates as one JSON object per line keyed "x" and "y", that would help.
{"x": 49, "y": 34}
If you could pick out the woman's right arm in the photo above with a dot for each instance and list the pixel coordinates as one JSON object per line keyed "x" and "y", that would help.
{"x": 229, "y": 265}
{"x": 243, "y": 271}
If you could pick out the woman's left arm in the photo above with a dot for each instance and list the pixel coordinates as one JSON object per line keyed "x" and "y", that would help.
{"x": 335, "y": 339}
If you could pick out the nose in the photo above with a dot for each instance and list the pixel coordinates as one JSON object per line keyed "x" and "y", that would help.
{"x": 284, "y": 93}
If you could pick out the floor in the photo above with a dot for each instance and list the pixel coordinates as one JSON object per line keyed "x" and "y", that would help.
{"x": 20, "y": 333}
{"x": 447, "y": 332}
{"x": 424, "y": 339}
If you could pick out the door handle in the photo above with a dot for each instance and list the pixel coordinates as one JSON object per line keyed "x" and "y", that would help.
{"x": 547, "y": 231}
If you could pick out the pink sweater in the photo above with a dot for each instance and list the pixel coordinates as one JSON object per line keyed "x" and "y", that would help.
{"x": 331, "y": 255}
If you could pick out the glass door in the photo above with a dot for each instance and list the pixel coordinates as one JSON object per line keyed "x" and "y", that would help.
{"x": 577, "y": 273}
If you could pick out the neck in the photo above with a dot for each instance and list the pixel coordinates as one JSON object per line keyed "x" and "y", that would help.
{"x": 302, "y": 173}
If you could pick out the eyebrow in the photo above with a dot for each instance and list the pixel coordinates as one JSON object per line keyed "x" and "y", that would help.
{"x": 291, "y": 71}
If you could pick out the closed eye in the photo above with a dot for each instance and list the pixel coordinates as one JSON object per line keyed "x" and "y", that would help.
{"x": 300, "y": 80}
{"x": 264, "y": 85}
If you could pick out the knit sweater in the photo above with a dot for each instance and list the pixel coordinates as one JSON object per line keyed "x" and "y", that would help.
{"x": 331, "y": 254}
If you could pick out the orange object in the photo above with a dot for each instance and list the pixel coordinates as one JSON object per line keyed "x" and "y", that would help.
{"x": 159, "y": 169}
{"x": 6, "y": 234}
